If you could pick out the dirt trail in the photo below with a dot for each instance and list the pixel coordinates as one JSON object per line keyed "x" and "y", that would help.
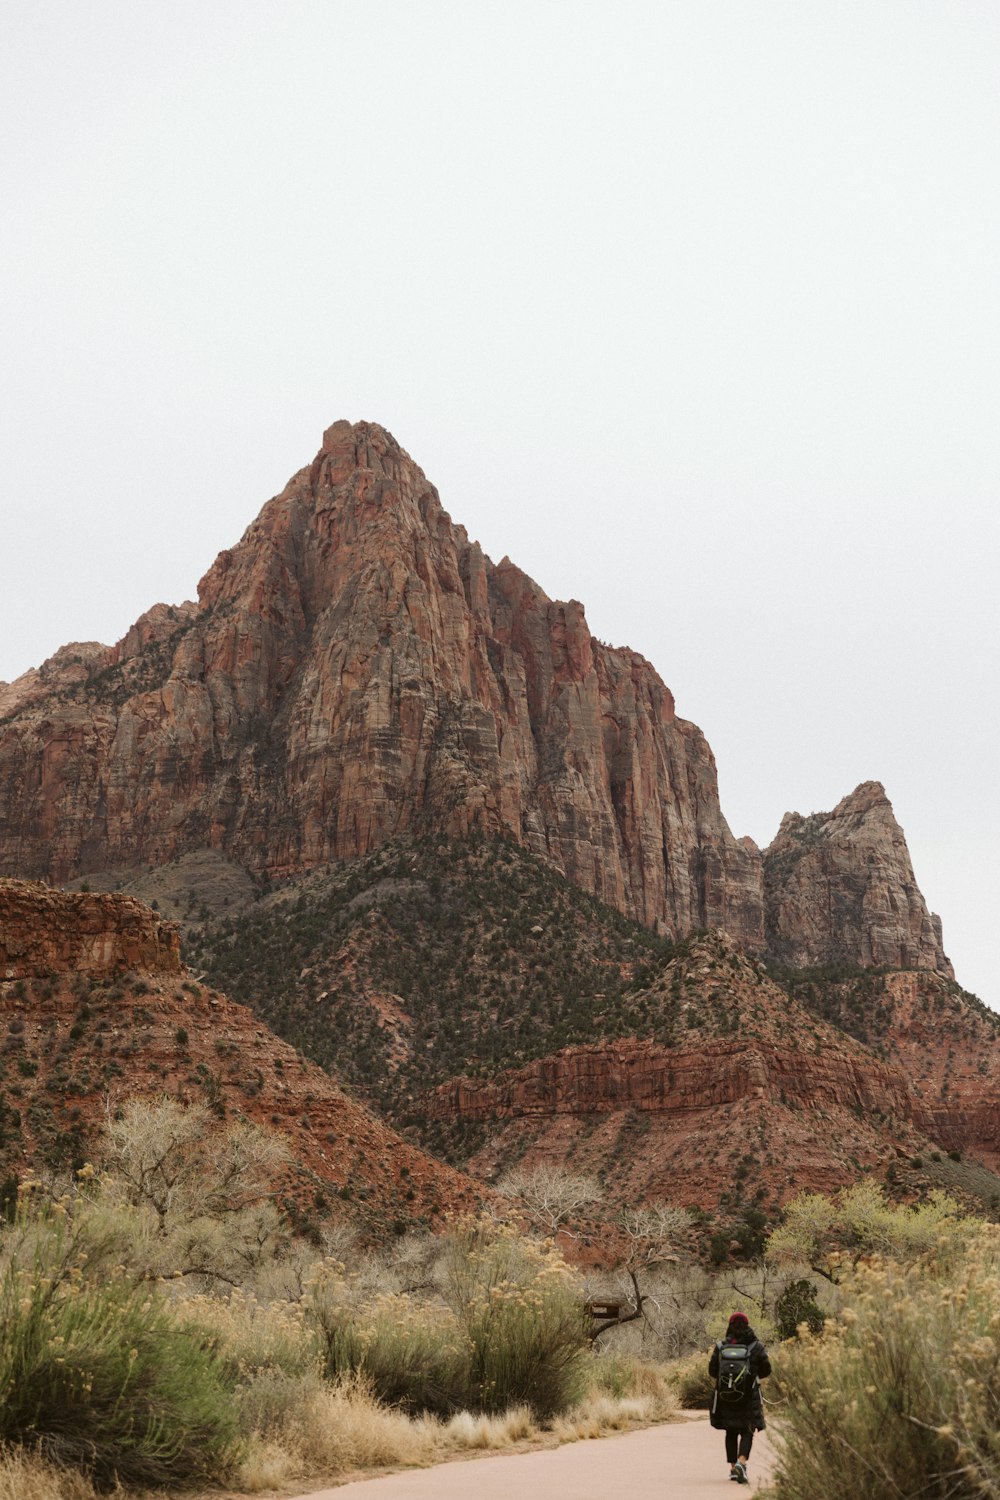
{"x": 676, "y": 1461}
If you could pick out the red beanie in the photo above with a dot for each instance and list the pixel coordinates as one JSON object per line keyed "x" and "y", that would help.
{"x": 739, "y": 1318}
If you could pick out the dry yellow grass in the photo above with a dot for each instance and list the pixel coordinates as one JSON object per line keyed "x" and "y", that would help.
{"x": 337, "y": 1430}
{"x": 465, "y": 1430}
{"x": 342, "y": 1429}
{"x": 25, "y": 1477}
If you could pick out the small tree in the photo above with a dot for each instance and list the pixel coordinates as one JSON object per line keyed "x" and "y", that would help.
{"x": 202, "y": 1194}
{"x": 797, "y": 1304}
{"x": 825, "y": 1233}
{"x": 551, "y": 1195}
{"x": 648, "y": 1237}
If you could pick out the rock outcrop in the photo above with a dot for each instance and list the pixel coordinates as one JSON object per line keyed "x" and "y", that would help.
{"x": 754, "y": 1091}
{"x": 355, "y": 669}
{"x": 45, "y": 932}
{"x": 839, "y": 886}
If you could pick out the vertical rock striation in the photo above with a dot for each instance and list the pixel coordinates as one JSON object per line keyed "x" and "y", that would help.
{"x": 356, "y": 668}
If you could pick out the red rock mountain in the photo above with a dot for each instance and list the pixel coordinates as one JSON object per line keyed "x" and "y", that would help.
{"x": 356, "y": 669}
{"x": 96, "y": 1005}
{"x": 754, "y": 1093}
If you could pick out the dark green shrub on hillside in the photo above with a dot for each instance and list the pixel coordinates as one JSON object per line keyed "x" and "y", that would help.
{"x": 797, "y": 1304}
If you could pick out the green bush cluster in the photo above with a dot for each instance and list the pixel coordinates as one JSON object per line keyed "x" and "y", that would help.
{"x": 94, "y": 1372}
{"x": 512, "y": 1331}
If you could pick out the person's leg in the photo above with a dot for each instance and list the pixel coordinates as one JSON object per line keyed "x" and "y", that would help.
{"x": 732, "y": 1444}
{"x": 746, "y": 1443}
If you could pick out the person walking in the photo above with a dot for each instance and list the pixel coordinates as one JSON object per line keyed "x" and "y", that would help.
{"x": 738, "y": 1364}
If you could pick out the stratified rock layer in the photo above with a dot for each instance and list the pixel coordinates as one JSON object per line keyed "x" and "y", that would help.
{"x": 355, "y": 669}
{"x": 753, "y": 1089}
{"x": 839, "y": 886}
{"x": 46, "y": 932}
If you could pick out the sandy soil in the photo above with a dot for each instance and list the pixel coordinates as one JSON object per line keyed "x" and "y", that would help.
{"x": 676, "y": 1461}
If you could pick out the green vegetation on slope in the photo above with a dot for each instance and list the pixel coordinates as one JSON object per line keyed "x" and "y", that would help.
{"x": 857, "y": 1000}
{"x": 437, "y": 958}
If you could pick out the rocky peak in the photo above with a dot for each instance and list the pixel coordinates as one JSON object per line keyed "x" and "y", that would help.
{"x": 357, "y": 669}
{"x": 840, "y": 886}
{"x": 69, "y": 666}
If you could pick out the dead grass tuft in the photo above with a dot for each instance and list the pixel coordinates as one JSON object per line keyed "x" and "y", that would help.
{"x": 23, "y": 1476}
{"x": 467, "y": 1431}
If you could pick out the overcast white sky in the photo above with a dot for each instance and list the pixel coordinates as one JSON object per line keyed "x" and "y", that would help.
{"x": 691, "y": 307}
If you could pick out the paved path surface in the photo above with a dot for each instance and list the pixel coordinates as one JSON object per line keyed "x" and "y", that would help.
{"x": 676, "y": 1461}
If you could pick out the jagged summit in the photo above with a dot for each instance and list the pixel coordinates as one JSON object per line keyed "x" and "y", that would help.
{"x": 356, "y": 669}
{"x": 840, "y": 886}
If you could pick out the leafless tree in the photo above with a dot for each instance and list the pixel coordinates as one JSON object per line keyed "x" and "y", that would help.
{"x": 551, "y": 1195}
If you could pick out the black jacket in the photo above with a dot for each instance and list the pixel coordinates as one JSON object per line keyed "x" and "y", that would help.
{"x": 748, "y": 1414}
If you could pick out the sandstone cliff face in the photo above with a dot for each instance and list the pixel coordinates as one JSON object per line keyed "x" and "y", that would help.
{"x": 840, "y": 886}
{"x": 947, "y": 1047}
{"x": 355, "y": 669}
{"x": 693, "y": 1125}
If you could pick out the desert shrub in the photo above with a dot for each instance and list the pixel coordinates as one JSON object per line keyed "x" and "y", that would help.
{"x": 522, "y": 1312}
{"x": 408, "y": 1354}
{"x": 94, "y": 1373}
{"x": 826, "y": 1233}
{"x": 416, "y": 1357}
{"x": 413, "y": 1356}
{"x": 515, "y": 1331}
{"x": 270, "y": 1354}
{"x": 334, "y": 1313}
{"x": 625, "y": 1377}
{"x": 251, "y": 1336}
{"x": 692, "y": 1382}
{"x": 613, "y": 1374}
{"x": 901, "y": 1394}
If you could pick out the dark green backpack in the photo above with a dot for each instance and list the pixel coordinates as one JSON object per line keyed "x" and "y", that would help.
{"x": 735, "y": 1380}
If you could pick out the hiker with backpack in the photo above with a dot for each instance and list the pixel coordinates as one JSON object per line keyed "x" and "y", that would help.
{"x": 738, "y": 1364}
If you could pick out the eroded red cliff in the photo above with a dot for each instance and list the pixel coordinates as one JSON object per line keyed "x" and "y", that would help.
{"x": 45, "y": 932}
{"x": 96, "y": 1007}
